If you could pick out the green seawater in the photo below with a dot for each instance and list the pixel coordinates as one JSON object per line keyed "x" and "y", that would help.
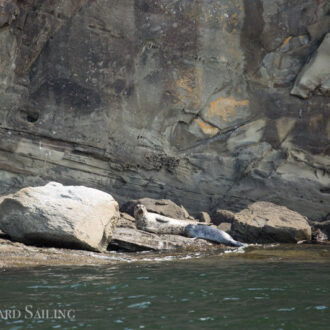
{"x": 286, "y": 287}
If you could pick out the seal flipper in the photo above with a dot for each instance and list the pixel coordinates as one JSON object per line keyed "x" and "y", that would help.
{"x": 162, "y": 220}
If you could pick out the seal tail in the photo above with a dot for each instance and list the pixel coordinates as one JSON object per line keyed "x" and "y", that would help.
{"x": 238, "y": 244}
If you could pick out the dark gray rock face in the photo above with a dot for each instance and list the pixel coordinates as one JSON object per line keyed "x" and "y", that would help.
{"x": 8, "y": 12}
{"x": 315, "y": 77}
{"x": 182, "y": 100}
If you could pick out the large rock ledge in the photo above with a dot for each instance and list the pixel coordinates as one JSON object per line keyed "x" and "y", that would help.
{"x": 15, "y": 254}
{"x": 18, "y": 255}
{"x": 128, "y": 238}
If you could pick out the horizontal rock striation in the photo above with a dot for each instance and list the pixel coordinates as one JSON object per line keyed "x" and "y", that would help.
{"x": 182, "y": 100}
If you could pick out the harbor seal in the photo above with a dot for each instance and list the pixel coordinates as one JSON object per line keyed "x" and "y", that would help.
{"x": 159, "y": 224}
{"x": 211, "y": 234}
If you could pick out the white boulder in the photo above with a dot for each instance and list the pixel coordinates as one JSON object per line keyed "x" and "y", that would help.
{"x": 60, "y": 216}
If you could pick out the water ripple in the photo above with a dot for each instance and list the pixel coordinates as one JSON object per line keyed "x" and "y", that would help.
{"x": 290, "y": 309}
{"x": 143, "y": 304}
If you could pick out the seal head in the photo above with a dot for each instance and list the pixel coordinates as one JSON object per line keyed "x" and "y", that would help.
{"x": 140, "y": 215}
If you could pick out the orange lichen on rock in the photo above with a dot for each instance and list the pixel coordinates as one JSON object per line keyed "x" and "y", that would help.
{"x": 286, "y": 41}
{"x": 206, "y": 128}
{"x": 225, "y": 107}
{"x": 189, "y": 88}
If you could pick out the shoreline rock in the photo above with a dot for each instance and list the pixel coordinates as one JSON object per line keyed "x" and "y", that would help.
{"x": 130, "y": 244}
{"x": 265, "y": 222}
{"x": 47, "y": 207}
{"x": 60, "y": 216}
{"x": 19, "y": 255}
{"x": 15, "y": 255}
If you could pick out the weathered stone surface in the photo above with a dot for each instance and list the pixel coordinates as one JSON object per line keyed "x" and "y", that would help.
{"x": 62, "y": 216}
{"x": 8, "y": 12}
{"x": 15, "y": 254}
{"x": 203, "y": 217}
{"x": 126, "y": 221}
{"x": 264, "y": 222}
{"x": 187, "y": 100}
{"x": 315, "y": 76}
{"x": 225, "y": 226}
{"x": 319, "y": 29}
{"x": 222, "y": 216}
{"x": 161, "y": 206}
{"x": 133, "y": 240}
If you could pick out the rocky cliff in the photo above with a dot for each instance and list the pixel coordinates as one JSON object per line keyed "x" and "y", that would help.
{"x": 208, "y": 103}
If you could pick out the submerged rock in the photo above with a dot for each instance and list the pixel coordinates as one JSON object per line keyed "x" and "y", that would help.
{"x": 60, "y": 216}
{"x": 264, "y": 222}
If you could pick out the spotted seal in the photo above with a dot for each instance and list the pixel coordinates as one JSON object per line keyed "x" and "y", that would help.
{"x": 159, "y": 224}
{"x": 211, "y": 234}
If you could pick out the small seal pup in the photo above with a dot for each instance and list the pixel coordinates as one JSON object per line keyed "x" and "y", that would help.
{"x": 159, "y": 224}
